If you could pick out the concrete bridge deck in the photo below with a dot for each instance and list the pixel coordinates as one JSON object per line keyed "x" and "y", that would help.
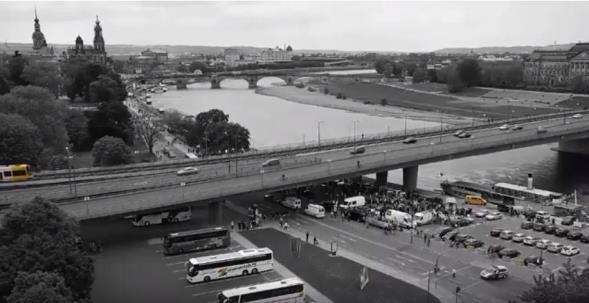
{"x": 334, "y": 164}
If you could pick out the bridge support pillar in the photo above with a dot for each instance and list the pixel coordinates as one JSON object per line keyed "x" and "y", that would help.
{"x": 216, "y": 213}
{"x": 252, "y": 82}
{"x": 580, "y": 146}
{"x": 410, "y": 178}
{"x": 381, "y": 178}
{"x": 215, "y": 83}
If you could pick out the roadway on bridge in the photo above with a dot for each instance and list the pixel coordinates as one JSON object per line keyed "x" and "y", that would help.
{"x": 318, "y": 166}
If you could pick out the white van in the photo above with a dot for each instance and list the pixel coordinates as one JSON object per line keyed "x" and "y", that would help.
{"x": 292, "y": 203}
{"x": 398, "y": 217}
{"x": 352, "y": 202}
{"x": 422, "y": 218}
{"x": 315, "y": 210}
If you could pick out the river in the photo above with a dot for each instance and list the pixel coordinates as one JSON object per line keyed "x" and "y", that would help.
{"x": 274, "y": 121}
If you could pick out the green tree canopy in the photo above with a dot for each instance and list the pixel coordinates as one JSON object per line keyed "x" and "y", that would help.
{"x": 43, "y": 74}
{"x": 16, "y": 66}
{"x": 571, "y": 285}
{"x": 104, "y": 89}
{"x": 469, "y": 71}
{"x": 38, "y": 236}
{"x": 213, "y": 133}
{"x": 109, "y": 151}
{"x": 419, "y": 75}
{"x": 79, "y": 76}
{"x": 39, "y": 106}
{"x": 39, "y": 287}
{"x": 19, "y": 140}
{"x": 111, "y": 119}
{"x": 76, "y": 125}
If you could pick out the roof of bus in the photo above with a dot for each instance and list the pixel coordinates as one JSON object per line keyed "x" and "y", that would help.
{"x": 534, "y": 191}
{"x": 259, "y": 287}
{"x": 15, "y": 166}
{"x": 231, "y": 255}
{"x": 196, "y": 231}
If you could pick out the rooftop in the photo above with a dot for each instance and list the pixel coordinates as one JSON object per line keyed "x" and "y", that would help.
{"x": 534, "y": 191}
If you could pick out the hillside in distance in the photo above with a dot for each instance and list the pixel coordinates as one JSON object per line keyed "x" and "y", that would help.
{"x": 502, "y": 49}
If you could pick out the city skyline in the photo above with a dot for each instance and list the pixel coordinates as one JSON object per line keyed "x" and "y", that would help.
{"x": 304, "y": 25}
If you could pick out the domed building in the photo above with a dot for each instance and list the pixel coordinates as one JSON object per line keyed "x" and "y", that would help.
{"x": 94, "y": 54}
{"x": 557, "y": 68}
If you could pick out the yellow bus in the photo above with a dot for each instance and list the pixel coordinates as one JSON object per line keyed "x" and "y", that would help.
{"x": 18, "y": 172}
{"x": 475, "y": 200}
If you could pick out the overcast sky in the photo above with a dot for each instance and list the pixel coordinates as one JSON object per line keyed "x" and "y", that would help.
{"x": 379, "y": 26}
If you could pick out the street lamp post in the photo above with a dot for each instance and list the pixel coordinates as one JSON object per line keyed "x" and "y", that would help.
{"x": 71, "y": 177}
{"x": 319, "y": 132}
{"x": 355, "y": 121}
{"x": 441, "y": 126}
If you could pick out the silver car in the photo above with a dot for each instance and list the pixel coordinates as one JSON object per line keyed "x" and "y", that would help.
{"x": 191, "y": 170}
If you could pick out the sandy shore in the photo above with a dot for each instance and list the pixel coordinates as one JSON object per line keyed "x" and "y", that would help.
{"x": 304, "y": 96}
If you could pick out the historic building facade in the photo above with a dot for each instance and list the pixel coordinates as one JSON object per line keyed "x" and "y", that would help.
{"x": 40, "y": 49}
{"x": 94, "y": 54}
{"x": 557, "y": 68}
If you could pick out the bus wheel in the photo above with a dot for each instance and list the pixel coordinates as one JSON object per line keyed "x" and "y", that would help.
{"x": 146, "y": 223}
{"x": 244, "y": 273}
{"x": 207, "y": 279}
{"x": 254, "y": 271}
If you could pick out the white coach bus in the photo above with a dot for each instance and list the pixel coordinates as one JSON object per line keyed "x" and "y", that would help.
{"x": 291, "y": 290}
{"x": 240, "y": 263}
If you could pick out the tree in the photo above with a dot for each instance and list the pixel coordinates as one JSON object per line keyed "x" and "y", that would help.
{"x": 4, "y": 83}
{"x": 213, "y": 133}
{"x": 104, "y": 89}
{"x": 19, "y": 140}
{"x": 571, "y": 285}
{"x": 44, "y": 74}
{"x": 176, "y": 123}
{"x": 469, "y": 71}
{"x": 39, "y": 106}
{"x": 76, "y": 125}
{"x": 109, "y": 151}
{"x": 16, "y": 65}
{"x": 380, "y": 65}
{"x": 39, "y": 287}
{"x": 111, "y": 119}
{"x": 196, "y": 65}
{"x": 79, "y": 77}
{"x": 149, "y": 130}
{"x": 454, "y": 84}
{"x": 419, "y": 75}
{"x": 38, "y": 236}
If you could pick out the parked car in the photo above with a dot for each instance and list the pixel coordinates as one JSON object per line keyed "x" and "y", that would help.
{"x": 508, "y": 252}
{"x": 516, "y": 127}
{"x": 527, "y": 225}
{"x": 459, "y": 238}
{"x": 472, "y": 242}
{"x": 543, "y": 243}
{"x": 539, "y": 226}
{"x": 542, "y": 215}
{"x": 504, "y": 127}
{"x": 191, "y": 170}
{"x": 561, "y": 232}
{"x": 518, "y": 238}
{"x": 541, "y": 129}
{"x": 410, "y": 140}
{"x": 451, "y": 235}
{"x": 495, "y": 248}
{"x": 496, "y": 272}
{"x": 445, "y": 231}
{"x": 458, "y": 133}
{"x": 375, "y": 221}
{"x": 584, "y": 238}
{"x": 568, "y": 220}
{"x": 481, "y": 213}
{"x": 569, "y": 250}
{"x": 506, "y": 235}
{"x": 356, "y": 214}
{"x": 315, "y": 210}
{"x": 574, "y": 235}
{"x": 535, "y": 260}
{"x": 554, "y": 247}
{"x": 549, "y": 229}
{"x": 461, "y": 221}
{"x": 494, "y": 216}
{"x": 495, "y": 232}
{"x": 531, "y": 241}
{"x": 577, "y": 116}
{"x": 464, "y": 135}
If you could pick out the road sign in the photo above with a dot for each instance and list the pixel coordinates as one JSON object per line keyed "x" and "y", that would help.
{"x": 363, "y": 277}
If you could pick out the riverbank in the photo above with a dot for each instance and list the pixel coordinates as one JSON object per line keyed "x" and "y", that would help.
{"x": 302, "y": 95}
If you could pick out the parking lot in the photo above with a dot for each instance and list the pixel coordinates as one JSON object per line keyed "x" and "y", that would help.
{"x": 132, "y": 267}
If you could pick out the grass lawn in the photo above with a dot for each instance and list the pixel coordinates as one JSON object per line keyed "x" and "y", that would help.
{"x": 373, "y": 93}
{"x": 577, "y": 102}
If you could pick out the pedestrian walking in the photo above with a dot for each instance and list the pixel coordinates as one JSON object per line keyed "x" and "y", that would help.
{"x": 232, "y": 225}
{"x": 315, "y": 242}
{"x": 429, "y": 241}
{"x": 285, "y": 226}
{"x": 453, "y": 273}
{"x": 424, "y": 239}
{"x": 307, "y": 238}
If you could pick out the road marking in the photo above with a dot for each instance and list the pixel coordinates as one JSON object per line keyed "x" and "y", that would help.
{"x": 179, "y": 270}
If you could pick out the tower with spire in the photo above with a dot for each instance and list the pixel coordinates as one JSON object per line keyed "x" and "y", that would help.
{"x": 39, "y": 41}
{"x": 98, "y": 39}
{"x": 95, "y": 53}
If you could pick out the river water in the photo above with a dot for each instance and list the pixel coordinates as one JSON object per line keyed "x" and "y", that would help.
{"x": 274, "y": 121}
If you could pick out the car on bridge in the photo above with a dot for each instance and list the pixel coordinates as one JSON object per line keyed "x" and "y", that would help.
{"x": 517, "y": 127}
{"x": 191, "y": 170}
{"x": 410, "y": 140}
{"x": 458, "y": 133}
{"x": 271, "y": 162}
{"x": 504, "y": 127}
{"x": 577, "y": 116}
{"x": 464, "y": 135}
{"x": 357, "y": 150}
{"x": 495, "y": 273}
